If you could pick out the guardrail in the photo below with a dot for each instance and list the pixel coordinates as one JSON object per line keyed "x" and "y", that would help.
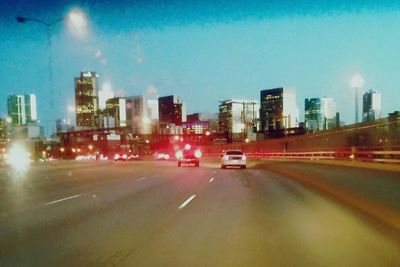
{"x": 365, "y": 156}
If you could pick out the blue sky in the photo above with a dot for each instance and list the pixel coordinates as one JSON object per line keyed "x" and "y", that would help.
{"x": 205, "y": 51}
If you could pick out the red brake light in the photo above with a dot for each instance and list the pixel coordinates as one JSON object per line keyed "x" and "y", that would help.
{"x": 179, "y": 154}
{"x": 197, "y": 154}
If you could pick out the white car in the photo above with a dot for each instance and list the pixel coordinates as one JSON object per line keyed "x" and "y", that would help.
{"x": 233, "y": 158}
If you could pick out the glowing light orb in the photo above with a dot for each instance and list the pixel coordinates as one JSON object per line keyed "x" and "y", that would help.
{"x": 18, "y": 158}
{"x": 78, "y": 24}
{"x": 357, "y": 81}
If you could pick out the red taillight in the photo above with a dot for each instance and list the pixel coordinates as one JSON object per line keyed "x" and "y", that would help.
{"x": 197, "y": 154}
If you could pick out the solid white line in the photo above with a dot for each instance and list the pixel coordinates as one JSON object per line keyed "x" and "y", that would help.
{"x": 186, "y": 201}
{"x": 212, "y": 179}
{"x": 63, "y": 199}
{"x": 140, "y": 179}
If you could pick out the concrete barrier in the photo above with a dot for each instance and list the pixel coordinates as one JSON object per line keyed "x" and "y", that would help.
{"x": 364, "y": 156}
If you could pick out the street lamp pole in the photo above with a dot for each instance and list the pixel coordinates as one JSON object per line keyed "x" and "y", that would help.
{"x": 49, "y": 45}
{"x": 48, "y": 26}
{"x": 356, "y": 104}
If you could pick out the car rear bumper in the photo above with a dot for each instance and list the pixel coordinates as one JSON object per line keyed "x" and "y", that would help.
{"x": 188, "y": 160}
{"x": 233, "y": 162}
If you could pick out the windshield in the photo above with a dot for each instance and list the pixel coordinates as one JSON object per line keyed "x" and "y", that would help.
{"x": 199, "y": 133}
{"x": 234, "y": 153}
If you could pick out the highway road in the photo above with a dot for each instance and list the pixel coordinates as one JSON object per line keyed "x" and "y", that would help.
{"x": 148, "y": 213}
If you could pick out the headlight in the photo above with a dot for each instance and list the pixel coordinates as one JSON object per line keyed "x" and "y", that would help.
{"x": 116, "y": 156}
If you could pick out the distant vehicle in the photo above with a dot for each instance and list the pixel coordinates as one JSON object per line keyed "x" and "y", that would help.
{"x": 233, "y": 158}
{"x": 123, "y": 156}
{"x": 162, "y": 156}
{"x": 189, "y": 155}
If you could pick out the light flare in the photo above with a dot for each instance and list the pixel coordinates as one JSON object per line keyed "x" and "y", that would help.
{"x": 78, "y": 24}
{"x": 18, "y": 158}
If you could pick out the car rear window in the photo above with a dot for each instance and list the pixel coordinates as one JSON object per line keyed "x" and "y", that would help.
{"x": 234, "y": 153}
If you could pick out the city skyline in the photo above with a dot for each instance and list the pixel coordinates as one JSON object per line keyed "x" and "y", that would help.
{"x": 192, "y": 59}
{"x": 294, "y": 104}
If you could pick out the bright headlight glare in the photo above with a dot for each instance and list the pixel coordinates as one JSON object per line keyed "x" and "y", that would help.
{"x": 18, "y": 158}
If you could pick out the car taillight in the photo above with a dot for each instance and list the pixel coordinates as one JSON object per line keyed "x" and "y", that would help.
{"x": 179, "y": 154}
{"x": 197, "y": 154}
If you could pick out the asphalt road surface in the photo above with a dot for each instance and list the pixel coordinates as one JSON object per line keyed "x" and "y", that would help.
{"x": 148, "y": 213}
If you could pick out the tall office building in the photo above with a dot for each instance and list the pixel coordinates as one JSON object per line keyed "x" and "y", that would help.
{"x": 153, "y": 109}
{"x": 116, "y": 109}
{"x": 22, "y": 109}
{"x": 328, "y": 109}
{"x": 371, "y": 105}
{"x": 63, "y": 125}
{"x": 172, "y": 113}
{"x": 3, "y": 130}
{"x": 313, "y": 114}
{"x": 86, "y": 100}
{"x": 140, "y": 114}
{"x": 238, "y": 117}
{"x": 320, "y": 114}
{"x": 201, "y": 123}
{"x": 278, "y": 109}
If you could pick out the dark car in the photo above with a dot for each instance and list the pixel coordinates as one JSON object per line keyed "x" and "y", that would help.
{"x": 189, "y": 155}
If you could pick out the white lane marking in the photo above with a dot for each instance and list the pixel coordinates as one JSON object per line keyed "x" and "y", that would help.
{"x": 187, "y": 201}
{"x": 63, "y": 199}
{"x": 141, "y": 179}
{"x": 212, "y": 179}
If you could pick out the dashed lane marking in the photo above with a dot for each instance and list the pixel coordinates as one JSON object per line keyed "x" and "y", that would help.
{"x": 187, "y": 201}
{"x": 62, "y": 199}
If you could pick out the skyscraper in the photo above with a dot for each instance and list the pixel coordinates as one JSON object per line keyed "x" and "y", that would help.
{"x": 116, "y": 108}
{"x": 63, "y": 125}
{"x": 313, "y": 114}
{"x": 172, "y": 114}
{"x": 278, "y": 109}
{"x": 238, "y": 117}
{"x": 139, "y": 114}
{"x": 86, "y": 100}
{"x": 22, "y": 109}
{"x": 328, "y": 109}
{"x": 371, "y": 105}
{"x": 3, "y": 130}
{"x": 320, "y": 113}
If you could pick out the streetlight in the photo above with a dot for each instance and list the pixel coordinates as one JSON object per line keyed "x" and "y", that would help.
{"x": 357, "y": 82}
{"x": 78, "y": 25}
{"x": 48, "y": 25}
